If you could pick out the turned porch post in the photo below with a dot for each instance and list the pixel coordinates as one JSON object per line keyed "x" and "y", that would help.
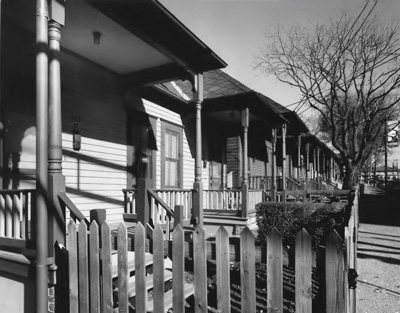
{"x": 273, "y": 169}
{"x": 198, "y": 96}
{"x": 245, "y": 179}
{"x": 307, "y": 162}
{"x": 42, "y": 16}
{"x": 318, "y": 167}
{"x": 284, "y": 158}
{"x": 56, "y": 179}
{"x": 298, "y": 156}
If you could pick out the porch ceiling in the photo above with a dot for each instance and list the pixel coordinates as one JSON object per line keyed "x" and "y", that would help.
{"x": 139, "y": 39}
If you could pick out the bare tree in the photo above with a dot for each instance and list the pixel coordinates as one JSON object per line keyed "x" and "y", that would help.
{"x": 347, "y": 71}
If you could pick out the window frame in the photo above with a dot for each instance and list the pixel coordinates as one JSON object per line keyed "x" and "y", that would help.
{"x": 165, "y": 126}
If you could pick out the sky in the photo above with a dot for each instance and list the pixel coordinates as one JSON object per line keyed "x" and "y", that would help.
{"x": 235, "y": 30}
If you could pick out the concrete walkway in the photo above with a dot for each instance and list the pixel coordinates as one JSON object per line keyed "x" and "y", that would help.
{"x": 378, "y": 288}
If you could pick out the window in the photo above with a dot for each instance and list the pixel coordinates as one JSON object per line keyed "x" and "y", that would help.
{"x": 172, "y": 156}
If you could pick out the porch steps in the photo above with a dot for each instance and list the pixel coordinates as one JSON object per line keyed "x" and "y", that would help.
{"x": 131, "y": 262}
{"x": 168, "y": 296}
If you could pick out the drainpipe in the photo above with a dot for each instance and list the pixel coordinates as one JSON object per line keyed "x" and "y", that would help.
{"x": 41, "y": 154}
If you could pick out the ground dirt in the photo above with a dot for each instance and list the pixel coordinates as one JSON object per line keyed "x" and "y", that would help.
{"x": 378, "y": 288}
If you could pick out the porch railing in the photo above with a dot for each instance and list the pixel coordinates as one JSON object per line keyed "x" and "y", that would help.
{"x": 17, "y": 218}
{"x": 222, "y": 199}
{"x": 254, "y": 197}
{"x": 171, "y": 197}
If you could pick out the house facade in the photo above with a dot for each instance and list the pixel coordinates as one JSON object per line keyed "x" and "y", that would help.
{"x": 73, "y": 124}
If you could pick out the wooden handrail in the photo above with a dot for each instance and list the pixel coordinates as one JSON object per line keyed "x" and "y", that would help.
{"x": 16, "y": 191}
{"x": 65, "y": 200}
{"x": 161, "y": 202}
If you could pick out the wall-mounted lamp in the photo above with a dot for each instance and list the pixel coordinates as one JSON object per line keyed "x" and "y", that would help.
{"x": 96, "y": 37}
{"x": 76, "y": 140}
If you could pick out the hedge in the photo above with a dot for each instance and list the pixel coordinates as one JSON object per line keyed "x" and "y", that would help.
{"x": 290, "y": 217}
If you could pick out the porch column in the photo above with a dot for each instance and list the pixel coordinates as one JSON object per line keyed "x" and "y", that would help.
{"x": 298, "y": 157}
{"x": 42, "y": 16}
{"x": 314, "y": 164}
{"x": 198, "y": 96}
{"x": 56, "y": 179}
{"x": 323, "y": 167}
{"x": 318, "y": 167}
{"x": 245, "y": 182}
{"x": 2, "y": 127}
{"x": 307, "y": 161}
{"x": 284, "y": 158}
{"x": 273, "y": 169}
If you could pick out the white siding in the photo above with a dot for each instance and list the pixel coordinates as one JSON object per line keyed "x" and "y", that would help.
{"x": 164, "y": 114}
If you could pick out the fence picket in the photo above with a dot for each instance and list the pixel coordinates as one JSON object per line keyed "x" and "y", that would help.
{"x": 303, "y": 272}
{"x": 274, "y": 272}
{"x": 140, "y": 268}
{"x": 107, "y": 303}
{"x": 83, "y": 268}
{"x": 158, "y": 269}
{"x": 122, "y": 238}
{"x": 223, "y": 270}
{"x": 335, "y": 300}
{"x": 73, "y": 267}
{"x": 248, "y": 271}
{"x": 94, "y": 268}
{"x": 178, "y": 267}
{"x": 200, "y": 269}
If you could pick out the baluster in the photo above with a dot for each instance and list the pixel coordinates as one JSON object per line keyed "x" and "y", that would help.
{"x": 17, "y": 216}
{"x": 2, "y": 216}
{"x": 8, "y": 216}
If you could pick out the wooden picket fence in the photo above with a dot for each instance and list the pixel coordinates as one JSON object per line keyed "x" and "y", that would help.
{"x": 93, "y": 272}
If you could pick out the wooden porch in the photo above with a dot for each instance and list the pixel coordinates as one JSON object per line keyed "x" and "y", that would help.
{"x": 109, "y": 274}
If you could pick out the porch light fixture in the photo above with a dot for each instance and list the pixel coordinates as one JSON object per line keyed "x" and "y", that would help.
{"x": 96, "y": 37}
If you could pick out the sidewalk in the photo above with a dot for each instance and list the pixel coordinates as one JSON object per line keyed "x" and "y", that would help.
{"x": 378, "y": 288}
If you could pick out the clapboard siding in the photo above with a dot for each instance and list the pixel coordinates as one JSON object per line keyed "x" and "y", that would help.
{"x": 233, "y": 160}
{"x": 164, "y": 115}
{"x": 94, "y": 97}
{"x": 257, "y": 167}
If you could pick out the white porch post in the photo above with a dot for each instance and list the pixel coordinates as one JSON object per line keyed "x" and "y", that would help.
{"x": 198, "y": 96}
{"x": 56, "y": 179}
{"x": 307, "y": 161}
{"x": 245, "y": 182}
{"x": 284, "y": 158}
{"x": 42, "y": 16}
{"x": 299, "y": 157}
{"x": 273, "y": 169}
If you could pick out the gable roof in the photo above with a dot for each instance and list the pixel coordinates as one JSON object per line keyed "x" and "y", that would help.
{"x": 216, "y": 84}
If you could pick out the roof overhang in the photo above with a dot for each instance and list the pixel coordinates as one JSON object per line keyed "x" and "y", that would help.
{"x": 138, "y": 39}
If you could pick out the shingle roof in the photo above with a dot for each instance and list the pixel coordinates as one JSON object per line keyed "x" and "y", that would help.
{"x": 216, "y": 84}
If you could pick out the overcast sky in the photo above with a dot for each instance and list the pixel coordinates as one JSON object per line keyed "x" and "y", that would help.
{"x": 234, "y": 29}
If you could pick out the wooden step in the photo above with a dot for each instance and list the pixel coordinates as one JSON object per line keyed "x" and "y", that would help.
{"x": 131, "y": 262}
{"x": 149, "y": 283}
{"x": 188, "y": 291}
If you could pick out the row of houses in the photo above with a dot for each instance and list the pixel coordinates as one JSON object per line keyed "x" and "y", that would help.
{"x": 96, "y": 95}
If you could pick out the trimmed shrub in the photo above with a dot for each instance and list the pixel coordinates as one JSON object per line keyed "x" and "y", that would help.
{"x": 290, "y": 217}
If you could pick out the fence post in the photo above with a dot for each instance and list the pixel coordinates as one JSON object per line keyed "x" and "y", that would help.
{"x": 143, "y": 204}
{"x": 198, "y": 202}
{"x": 245, "y": 200}
{"x": 178, "y": 215}
{"x": 98, "y": 215}
{"x": 334, "y": 267}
